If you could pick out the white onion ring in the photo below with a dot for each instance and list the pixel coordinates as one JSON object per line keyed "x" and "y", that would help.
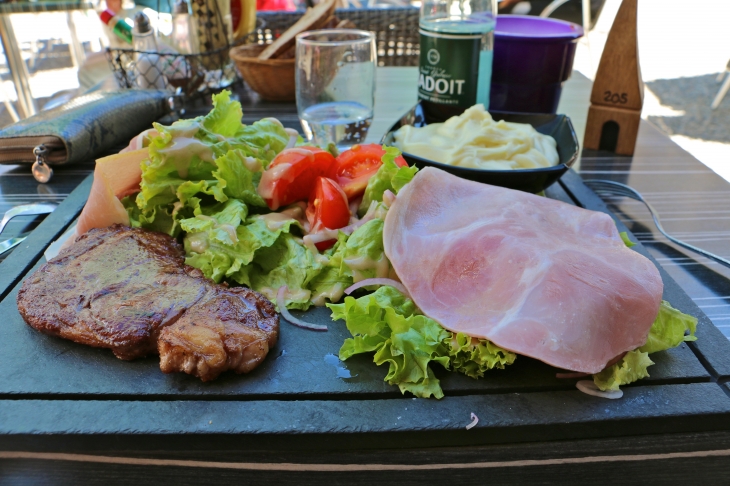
{"x": 388, "y": 198}
{"x": 567, "y": 376}
{"x": 590, "y": 388}
{"x": 292, "y": 140}
{"x": 378, "y": 281}
{"x": 287, "y": 315}
{"x": 474, "y": 421}
{"x": 331, "y": 234}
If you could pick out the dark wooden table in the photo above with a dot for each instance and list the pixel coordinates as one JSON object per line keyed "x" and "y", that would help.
{"x": 70, "y": 414}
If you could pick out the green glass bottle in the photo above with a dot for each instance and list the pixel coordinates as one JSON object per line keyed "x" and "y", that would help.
{"x": 455, "y": 68}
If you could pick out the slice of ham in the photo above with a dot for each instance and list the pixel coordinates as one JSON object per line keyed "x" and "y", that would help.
{"x": 115, "y": 176}
{"x": 533, "y": 275}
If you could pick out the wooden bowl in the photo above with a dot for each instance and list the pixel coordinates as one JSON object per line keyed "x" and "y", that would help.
{"x": 272, "y": 79}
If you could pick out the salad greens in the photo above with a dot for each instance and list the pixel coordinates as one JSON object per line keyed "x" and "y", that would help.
{"x": 201, "y": 180}
{"x": 667, "y": 331}
{"x": 388, "y": 323}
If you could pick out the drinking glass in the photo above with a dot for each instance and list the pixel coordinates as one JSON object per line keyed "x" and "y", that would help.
{"x": 335, "y": 85}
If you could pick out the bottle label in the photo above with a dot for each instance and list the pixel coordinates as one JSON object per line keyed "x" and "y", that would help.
{"x": 449, "y": 68}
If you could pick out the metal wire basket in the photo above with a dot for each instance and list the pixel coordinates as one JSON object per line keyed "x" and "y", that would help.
{"x": 396, "y": 29}
{"x": 192, "y": 74}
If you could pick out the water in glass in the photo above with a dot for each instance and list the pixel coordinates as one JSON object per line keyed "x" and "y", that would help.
{"x": 335, "y": 86}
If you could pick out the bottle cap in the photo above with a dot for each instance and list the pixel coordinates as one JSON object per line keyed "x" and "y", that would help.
{"x": 181, "y": 7}
{"x": 141, "y": 23}
{"x": 106, "y": 16}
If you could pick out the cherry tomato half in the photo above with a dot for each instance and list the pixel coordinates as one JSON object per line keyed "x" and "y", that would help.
{"x": 328, "y": 209}
{"x": 356, "y": 166}
{"x": 290, "y": 176}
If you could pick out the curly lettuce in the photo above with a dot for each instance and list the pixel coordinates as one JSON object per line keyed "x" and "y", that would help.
{"x": 389, "y": 324}
{"x": 670, "y": 329}
{"x": 203, "y": 161}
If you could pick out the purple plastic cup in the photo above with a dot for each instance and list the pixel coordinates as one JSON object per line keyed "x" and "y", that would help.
{"x": 533, "y": 57}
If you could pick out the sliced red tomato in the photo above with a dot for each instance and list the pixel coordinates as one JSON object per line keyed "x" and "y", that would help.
{"x": 290, "y": 176}
{"x": 356, "y": 166}
{"x": 328, "y": 209}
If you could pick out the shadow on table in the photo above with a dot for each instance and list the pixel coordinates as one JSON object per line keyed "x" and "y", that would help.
{"x": 693, "y": 96}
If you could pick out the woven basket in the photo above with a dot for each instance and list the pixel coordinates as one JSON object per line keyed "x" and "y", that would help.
{"x": 396, "y": 30}
{"x": 272, "y": 79}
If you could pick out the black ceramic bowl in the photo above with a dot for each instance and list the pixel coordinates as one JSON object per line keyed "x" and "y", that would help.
{"x": 529, "y": 180}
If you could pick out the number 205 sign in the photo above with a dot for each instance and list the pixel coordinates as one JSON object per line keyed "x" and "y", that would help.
{"x": 615, "y": 98}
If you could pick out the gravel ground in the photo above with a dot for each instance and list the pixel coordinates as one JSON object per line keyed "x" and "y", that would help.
{"x": 693, "y": 97}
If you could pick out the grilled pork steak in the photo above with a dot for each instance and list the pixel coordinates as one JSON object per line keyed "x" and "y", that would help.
{"x": 129, "y": 290}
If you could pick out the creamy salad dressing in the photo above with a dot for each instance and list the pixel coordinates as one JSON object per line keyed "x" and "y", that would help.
{"x": 198, "y": 242}
{"x": 184, "y": 129}
{"x": 182, "y": 151}
{"x": 228, "y": 228}
{"x": 275, "y": 221}
{"x": 268, "y": 179}
{"x": 297, "y": 294}
{"x": 253, "y": 164}
{"x": 334, "y": 294}
{"x": 360, "y": 264}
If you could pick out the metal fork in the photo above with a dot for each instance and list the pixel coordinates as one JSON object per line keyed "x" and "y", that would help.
{"x": 26, "y": 210}
{"x": 619, "y": 189}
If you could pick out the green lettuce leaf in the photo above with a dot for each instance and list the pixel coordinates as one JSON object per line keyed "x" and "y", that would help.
{"x": 206, "y": 160}
{"x": 236, "y": 180}
{"x": 389, "y": 177}
{"x": 286, "y": 262}
{"x": 388, "y": 324}
{"x": 210, "y": 248}
{"x": 473, "y": 356}
{"x": 265, "y": 138}
{"x": 225, "y": 117}
{"x": 670, "y": 329}
{"x": 352, "y": 259}
{"x": 627, "y": 241}
{"x": 363, "y": 255}
{"x": 630, "y": 368}
{"x": 331, "y": 282}
{"x": 414, "y": 342}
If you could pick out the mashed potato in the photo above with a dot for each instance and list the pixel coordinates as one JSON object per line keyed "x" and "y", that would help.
{"x": 474, "y": 140}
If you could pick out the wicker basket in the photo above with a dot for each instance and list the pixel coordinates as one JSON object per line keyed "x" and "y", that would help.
{"x": 396, "y": 30}
{"x": 272, "y": 79}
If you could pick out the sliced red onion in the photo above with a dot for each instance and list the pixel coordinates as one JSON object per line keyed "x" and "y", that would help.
{"x": 378, "y": 281}
{"x": 474, "y": 421}
{"x": 388, "y": 198}
{"x": 568, "y": 376}
{"x": 287, "y": 315}
{"x": 590, "y": 388}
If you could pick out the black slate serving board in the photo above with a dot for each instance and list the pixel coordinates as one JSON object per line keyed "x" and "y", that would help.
{"x": 57, "y": 396}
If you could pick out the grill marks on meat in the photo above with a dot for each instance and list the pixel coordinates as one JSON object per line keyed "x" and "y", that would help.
{"x": 129, "y": 290}
{"x": 238, "y": 339}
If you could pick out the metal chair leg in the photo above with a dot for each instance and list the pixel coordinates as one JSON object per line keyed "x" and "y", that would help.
{"x": 555, "y": 4}
{"x": 721, "y": 94}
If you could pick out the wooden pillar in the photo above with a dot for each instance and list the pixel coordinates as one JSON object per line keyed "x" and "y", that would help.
{"x": 618, "y": 91}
